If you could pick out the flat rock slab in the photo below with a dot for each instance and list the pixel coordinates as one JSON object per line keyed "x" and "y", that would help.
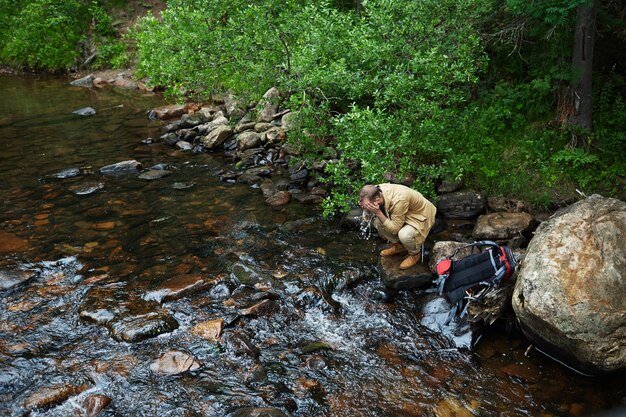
{"x": 210, "y": 330}
{"x": 178, "y": 287}
{"x": 12, "y": 279}
{"x": 122, "y": 168}
{"x": 66, "y": 173}
{"x": 502, "y": 225}
{"x": 419, "y": 276}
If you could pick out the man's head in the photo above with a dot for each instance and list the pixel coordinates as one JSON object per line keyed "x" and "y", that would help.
{"x": 371, "y": 193}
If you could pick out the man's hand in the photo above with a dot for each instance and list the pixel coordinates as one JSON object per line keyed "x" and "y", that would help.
{"x": 371, "y": 207}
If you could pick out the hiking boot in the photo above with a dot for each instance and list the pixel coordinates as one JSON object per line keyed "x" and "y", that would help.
{"x": 393, "y": 249}
{"x": 410, "y": 261}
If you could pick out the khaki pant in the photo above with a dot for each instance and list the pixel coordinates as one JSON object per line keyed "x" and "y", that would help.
{"x": 410, "y": 237}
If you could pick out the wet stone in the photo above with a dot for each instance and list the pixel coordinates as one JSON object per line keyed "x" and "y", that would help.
{"x": 184, "y": 146}
{"x": 92, "y": 405}
{"x": 279, "y": 199}
{"x": 174, "y": 363}
{"x": 66, "y": 173}
{"x": 210, "y": 330}
{"x": 53, "y": 395}
{"x": 502, "y": 225}
{"x": 84, "y": 81}
{"x": 183, "y": 185}
{"x": 85, "y": 111}
{"x": 418, "y": 276}
{"x": 154, "y": 174}
{"x": 178, "y": 287}
{"x": 121, "y": 168}
{"x": 241, "y": 345}
{"x": 136, "y": 328}
{"x": 262, "y": 308}
{"x": 259, "y": 412}
{"x": 12, "y": 279}
{"x": 87, "y": 188}
{"x": 245, "y": 274}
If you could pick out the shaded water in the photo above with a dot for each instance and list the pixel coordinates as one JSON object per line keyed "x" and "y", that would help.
{"x": 325, "y": 348}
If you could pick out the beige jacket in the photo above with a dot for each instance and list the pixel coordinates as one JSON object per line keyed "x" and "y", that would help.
{"x": 404, "y": 205}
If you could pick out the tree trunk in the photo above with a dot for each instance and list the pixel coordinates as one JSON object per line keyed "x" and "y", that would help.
{"x": 582, "y": 62}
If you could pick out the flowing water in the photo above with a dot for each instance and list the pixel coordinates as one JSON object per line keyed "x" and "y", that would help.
{"x": 327, "y": 341}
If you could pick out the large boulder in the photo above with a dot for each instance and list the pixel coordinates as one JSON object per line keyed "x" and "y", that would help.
{"x": 569, "y": 295}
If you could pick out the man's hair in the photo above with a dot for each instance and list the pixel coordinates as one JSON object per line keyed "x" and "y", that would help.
{"x": 369, "y": 192}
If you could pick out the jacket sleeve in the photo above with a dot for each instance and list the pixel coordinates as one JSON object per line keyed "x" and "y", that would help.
{"x": 397, "y": 217}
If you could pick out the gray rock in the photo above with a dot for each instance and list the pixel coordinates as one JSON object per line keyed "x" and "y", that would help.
{"x": 205, "y": 128}
{"x": 462, "y": 205}
{"x": 217, "y": 136}
{"x": 245, "y": 274}
{"x": 353, "y": 220}
{"x": 502, "y": 226}
{"x": 242, "y": 127}
{"x": 184, "y": 146}
{"x": 167, "y": 112}
{"x": 122, "y": 168}
{"x": 85, "y": 111}
{"x": 154, "y": 174}
{"x": 240, "y": 344}
{"x": 269, "y": 105}
{"x": 259, "y": 412}
{"x": 450, "y": 186}
{"x": 66, "y": 173}
{"x": 170, "y": 139}
{"x": 192, "y": 120}
{"x": 262, "y": 127}
{"x": 248, "y": 140}
{"x": 569, "y": 295}
{"x": 83, "y": 82}
{"x": 275, "y": 135}
{"x": 289, "y": 121}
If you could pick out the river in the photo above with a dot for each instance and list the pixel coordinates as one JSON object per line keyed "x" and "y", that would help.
{"x": 98, "y": 253}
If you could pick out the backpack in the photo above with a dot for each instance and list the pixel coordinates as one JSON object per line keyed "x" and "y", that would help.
{"x": 469, "y": 279}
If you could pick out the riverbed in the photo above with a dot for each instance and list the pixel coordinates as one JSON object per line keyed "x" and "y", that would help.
{"x": 306, "y": 325}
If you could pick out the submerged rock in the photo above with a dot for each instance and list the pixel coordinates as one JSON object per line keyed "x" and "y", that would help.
{"x": 174, "y": 363}
{"x": 154, "y": 174}
{"x": 569, "y": 295}
{"x": 10, "y": 243}
{"x": 87, "y": 188}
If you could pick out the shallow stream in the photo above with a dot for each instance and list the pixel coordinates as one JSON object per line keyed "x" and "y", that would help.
{"x": 327, "y": 341}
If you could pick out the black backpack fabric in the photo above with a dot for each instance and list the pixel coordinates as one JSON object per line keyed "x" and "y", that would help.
{"x": 468, "y": 279}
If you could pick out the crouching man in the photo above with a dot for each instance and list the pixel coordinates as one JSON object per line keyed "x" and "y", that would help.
{"x": 403, "y": 217}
